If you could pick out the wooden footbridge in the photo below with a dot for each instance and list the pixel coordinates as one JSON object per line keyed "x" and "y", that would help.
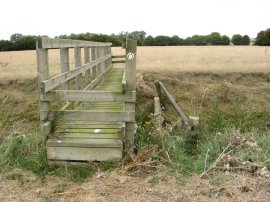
{"x": 87, "y": 112}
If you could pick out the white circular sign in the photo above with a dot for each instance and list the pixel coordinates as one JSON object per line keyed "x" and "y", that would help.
{"x": 130, "y": 56}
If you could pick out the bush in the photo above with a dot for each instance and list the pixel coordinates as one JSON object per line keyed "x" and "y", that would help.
{"x": 263, "y": 38}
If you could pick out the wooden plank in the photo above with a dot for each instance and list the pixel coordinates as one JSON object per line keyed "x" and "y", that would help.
{"x": 43, "y": 74}
{"x": 89, "y": 96}
{"x": 174, "y": 104}
{"x": 87, "y": 60}
{"x": 91, "y": 130}
{"x": 124, "y": 83}
{"x": 80, "y": 115}
{"x": 46, "y": 128}
{"x": 93, "y": 126}
{"x": 93, "y": 58}
{"x": 64, "y": 58}
{"x": 84, "y": 142}
{"x": 78, "y": 63}
{"x": 90, "y": 136}
{"x": 47, "y": 43}
{"x": 160, "y": 95}
{"x": 83, "y": 154}
{"x": 93, "y": 122}
{"x": 130, "y": 75}
{"x": 119, "y": 56}
{"x": 157, "y": 109}
{"x": 55, "y": 81}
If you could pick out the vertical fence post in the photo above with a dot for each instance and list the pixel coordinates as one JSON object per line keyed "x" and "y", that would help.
{"x": 93, "y": 58}
{"x": 98, "y": 57}
{"x": 64, "y": 57}
{"x": 87, "y": 60}
{"x": 77, "y": 61}
{"x": 43, "y": 74}
{"x": 130, "y": 73}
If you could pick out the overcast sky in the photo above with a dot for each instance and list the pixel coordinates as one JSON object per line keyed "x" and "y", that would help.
{"x": 156, "y": 17}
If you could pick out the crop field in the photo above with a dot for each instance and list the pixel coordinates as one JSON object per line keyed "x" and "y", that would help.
{"x": 228, "y": 88}
{"x": 22, "y": 64}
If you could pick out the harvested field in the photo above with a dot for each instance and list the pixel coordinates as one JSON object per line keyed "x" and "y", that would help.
{"x": 22, "y": 64}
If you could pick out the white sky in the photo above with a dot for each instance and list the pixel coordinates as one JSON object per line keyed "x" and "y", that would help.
{"x": 156, "y": 17}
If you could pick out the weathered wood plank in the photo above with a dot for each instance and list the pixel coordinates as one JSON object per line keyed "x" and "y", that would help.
{"x": 91, "y": 130}
{"x": 87, "y": 60}
{"x": 55, "y": 81}
{"x": 90, "y": 136}
{"x": 47, "y": 43}
{"x": 80, "y": 115}
{"x": 124, "y": 83}
{"x": 174, "y": 104}
{"x": 43, "y": 74}
{"x": 83, "y": 154}
{"x": 64, "y": 58}
{"x": 92, "y": 126}
{"x": 130, "y": 74}
{"x": 157, "y": 109}
{"x": 78, "y": 63}
{"x": 160, "y": 95}
{"x": 84, "y": 142}
{"x": 89, "y": 96}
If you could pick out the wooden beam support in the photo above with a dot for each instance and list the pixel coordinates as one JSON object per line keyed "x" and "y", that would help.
{"x": 84, "y": 115}
{"x": 64, "y": 57}
{"x": 89, "y": 96}
{"x": 130, "y": 75}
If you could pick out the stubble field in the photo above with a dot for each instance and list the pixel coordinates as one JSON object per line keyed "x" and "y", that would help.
{"x": 22, "y": 64}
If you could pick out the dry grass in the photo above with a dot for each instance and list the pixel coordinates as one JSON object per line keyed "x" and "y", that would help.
{"x": 22, "y": 64}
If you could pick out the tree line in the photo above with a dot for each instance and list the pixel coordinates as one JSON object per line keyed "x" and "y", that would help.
{"x": 28, "y": 42}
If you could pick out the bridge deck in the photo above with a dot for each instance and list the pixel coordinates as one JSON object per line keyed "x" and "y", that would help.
{"x": 88, "y": 140}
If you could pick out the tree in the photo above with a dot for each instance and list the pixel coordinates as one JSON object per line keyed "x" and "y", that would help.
{"x": 15, "y": 37}
{"x": 263, "y": 38}
{"x": 225, "y": 40}
{"x": 237, "y": 39}
{"x": 5, "y": 45}
{"x": 245, "y": 40}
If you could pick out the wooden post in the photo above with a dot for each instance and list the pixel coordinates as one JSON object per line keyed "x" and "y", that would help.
{"x": 64, "y": 57}
{"x": 43, "y": 74}
{"x": 87, "y": 60}
{"x": 77, "y": 62}
{"x": 160, "y": 95}
{"x": 98, "y": 57}
{"x": 93, "y": 58}
{"x": 130, "y": 74}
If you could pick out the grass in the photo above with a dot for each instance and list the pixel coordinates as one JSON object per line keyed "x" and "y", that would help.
{"x": 22, "y": 64}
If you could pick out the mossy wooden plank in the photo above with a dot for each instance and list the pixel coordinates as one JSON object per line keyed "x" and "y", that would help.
{"x": 90, "y": 136}
{"x": 83, "y": 154}
{"x": 92, "y": 126}
{"x": 90, "y": 130}
{"x": 94, "y": 122}
{"x": 84, "y": 142}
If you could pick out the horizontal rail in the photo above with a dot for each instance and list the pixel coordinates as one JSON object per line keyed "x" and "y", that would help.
{"x": 47, "y": 43}
{"x": 62, "y": 78}
{"x": 89, "y": 96}
{"x": 84, "y": 115}
{"x": 174, "y": 104}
